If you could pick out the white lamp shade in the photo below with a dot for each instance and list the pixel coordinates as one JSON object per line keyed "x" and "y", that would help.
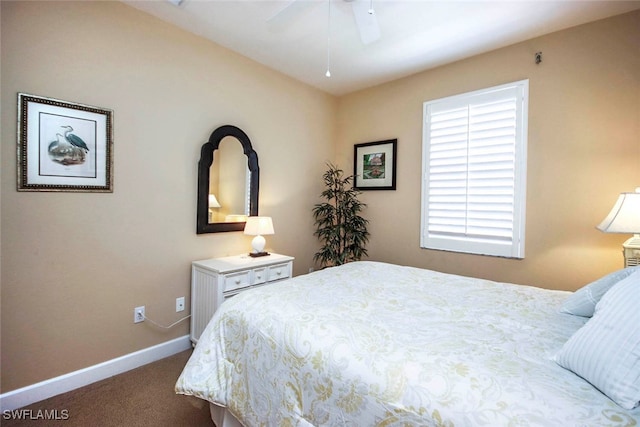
{"x": 213, "y": 202}
{"x": 258, "y": 226}
{"x": 625, "y": 215}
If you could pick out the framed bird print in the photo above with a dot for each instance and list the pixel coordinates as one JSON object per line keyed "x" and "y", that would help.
{"x": 64, "y": 146}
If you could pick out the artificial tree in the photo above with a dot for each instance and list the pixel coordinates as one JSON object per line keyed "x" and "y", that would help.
{"x": 339, "y": 226}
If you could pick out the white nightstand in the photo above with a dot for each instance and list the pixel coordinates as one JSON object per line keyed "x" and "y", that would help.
{"x": 216, "y": 279}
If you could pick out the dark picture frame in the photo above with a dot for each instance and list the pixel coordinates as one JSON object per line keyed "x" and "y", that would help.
{"x": 64, "y": 146}
{"x": 374, "y": 165}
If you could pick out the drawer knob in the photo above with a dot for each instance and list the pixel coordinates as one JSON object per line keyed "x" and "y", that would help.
{"x": 278, "y": 272}
{"x": 237, "y": 281}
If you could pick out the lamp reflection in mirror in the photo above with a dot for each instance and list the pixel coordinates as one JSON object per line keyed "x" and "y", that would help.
{"x": 258, "y": 226}
{"x": 625, "y": 218}
{"x": 213, "y": 204}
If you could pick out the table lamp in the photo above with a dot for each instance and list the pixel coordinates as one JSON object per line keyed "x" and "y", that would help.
{"x": 625, "y": 218}
{"x": 213, "y": 203}
{"x": 258, "y": 226}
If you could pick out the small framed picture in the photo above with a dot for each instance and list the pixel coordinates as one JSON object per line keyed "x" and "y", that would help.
{"x": 374, "y": 165}
{"x": 63, "y": 146}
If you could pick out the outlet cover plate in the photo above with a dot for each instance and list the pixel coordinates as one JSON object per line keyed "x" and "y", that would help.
{"x": 138, "y": 314}
{"x": 179, "y": 304}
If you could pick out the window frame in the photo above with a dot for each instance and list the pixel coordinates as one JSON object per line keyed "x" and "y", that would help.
{"x": 515, "y": 247}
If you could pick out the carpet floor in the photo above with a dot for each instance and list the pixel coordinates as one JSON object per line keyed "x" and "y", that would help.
{"x": 138, "y": 398}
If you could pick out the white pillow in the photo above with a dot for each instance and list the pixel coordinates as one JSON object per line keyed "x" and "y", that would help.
{"x": 583, "y": 301}
{"x": 606, "y": 350}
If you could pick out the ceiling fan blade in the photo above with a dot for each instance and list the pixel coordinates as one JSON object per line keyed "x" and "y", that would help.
{"x": 366, "y": 22}
{"x": 285, "y": 10}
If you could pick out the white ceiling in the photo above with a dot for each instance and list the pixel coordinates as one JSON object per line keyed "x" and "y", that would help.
{"x": 291, "y": 35}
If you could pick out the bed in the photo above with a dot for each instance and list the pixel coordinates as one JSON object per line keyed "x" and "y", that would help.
{"x": 375, "y": 344}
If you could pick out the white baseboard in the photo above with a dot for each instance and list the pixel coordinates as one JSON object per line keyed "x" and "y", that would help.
{"x": 43, "y": 390}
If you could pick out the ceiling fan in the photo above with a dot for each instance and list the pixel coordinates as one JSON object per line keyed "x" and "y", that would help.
{"x": 363, "y": 13}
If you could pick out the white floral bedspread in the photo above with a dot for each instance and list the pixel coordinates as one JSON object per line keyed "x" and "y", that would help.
{"x": 373, "y": 344}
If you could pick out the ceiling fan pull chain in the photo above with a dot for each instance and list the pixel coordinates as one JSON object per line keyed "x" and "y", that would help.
{"x": 371, "y": 10}
{"x": 328, "y": 73}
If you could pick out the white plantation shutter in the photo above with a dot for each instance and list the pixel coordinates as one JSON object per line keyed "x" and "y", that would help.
{"x": 474, "y": 168}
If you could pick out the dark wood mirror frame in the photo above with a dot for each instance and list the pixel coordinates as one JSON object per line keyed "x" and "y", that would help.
{"x": 204, "y": 170}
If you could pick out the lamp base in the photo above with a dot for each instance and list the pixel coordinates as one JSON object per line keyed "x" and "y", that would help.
{"x": 631, "y": 251}
{"x": 633, "y": 242}
{"x": 258, "y": 254}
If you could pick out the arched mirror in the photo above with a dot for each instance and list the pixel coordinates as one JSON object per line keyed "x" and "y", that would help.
{"x": 228, "y": 181}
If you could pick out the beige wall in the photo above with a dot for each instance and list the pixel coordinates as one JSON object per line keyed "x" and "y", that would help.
{"x": 74, "y": 265}
{"x": 583, "y": 150}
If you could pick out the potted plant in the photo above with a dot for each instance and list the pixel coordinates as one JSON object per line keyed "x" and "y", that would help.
{"x": 339, "y": 226}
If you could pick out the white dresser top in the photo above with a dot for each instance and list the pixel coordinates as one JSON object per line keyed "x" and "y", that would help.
{"x": 240, "y": 262}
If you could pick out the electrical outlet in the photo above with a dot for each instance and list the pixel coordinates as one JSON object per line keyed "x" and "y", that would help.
{"x": 138, "y": 314}
{"x": 179, "y": 304}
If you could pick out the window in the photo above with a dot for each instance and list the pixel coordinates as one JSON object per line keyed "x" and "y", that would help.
{"x": 474, "y": 149}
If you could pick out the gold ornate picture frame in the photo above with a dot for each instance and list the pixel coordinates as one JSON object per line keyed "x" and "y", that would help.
{"x": 64, "y": 146}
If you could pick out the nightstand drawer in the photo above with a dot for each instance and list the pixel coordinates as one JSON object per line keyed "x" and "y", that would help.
{"x": 260, "y": 276}
{"x": 279, "y": 271}
{"x": 238, "y": 280}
